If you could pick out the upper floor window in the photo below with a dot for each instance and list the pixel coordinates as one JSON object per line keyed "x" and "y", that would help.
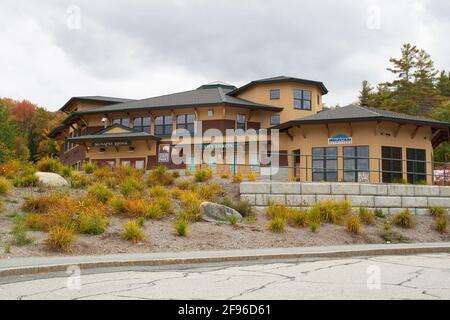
{"x": 122, "y": 121}
{"x": 302, "y": 99}
{"x": 163, "y": 125}
{"x": 274, "y": 94}
{"x": 240, "y": 121}
{"x": 186, "y": 121}
{"x": 142, "y": 124}
{"x": 275, "y": 119}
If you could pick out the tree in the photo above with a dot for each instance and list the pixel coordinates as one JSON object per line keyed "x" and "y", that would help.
{"x": 365, "y": 94}
{"x": 443, "y": 84}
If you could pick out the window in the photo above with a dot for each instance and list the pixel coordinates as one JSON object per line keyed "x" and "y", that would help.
{"x": 391, "y": 164}
{"x": 142, "y": 124}
{"x": 210, "y": 112}
{"x": 240, "y": 121}
{"x": 274, "y": 94}
{"x": 275, "y": 119}
{"x": 122, "y": 121}
{"x": 324, "y": 164}
{"x": 416, "y": 165}
{"x": 186, "y": 121}
{"x": 302, "y": 99}
{"x": 163, "y": 125}
{"x": 356, "y": 164}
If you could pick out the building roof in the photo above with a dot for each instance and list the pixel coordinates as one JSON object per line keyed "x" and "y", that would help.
{"x": 280, "y": 79}
{"x": 130, "y": 134}
{"x": 361, "y": 113}
{"x": 110, "y": 100}
{"x": 210, "y": 94}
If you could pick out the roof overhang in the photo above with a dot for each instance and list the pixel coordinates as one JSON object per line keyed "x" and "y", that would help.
{"x": 302, "y": 81}
{"x": 108, "y": 138}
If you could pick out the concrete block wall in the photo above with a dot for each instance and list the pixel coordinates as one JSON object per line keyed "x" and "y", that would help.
{"x": 391, "y": 198}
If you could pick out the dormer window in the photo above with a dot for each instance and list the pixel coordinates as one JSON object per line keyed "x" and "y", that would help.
{"x": 302, "y": 99}
{"x": 122, "y": 121}
{"x": 142, "y": 124}
{"x": 274, "y": 94}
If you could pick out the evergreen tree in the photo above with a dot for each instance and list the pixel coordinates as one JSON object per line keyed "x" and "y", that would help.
{"x": 365, "y": 94}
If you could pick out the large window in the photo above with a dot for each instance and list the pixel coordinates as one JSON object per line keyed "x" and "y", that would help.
{"x": 274, "y": 94}
{"x": 122, "y": 121}
{"x": 324, "y": 164}
{"x": 356, "y": 164}
{"x": 416, "y": 165}
{"x": 240, "y": 121}
{"x": 186, "y": 121}
{"x": 391, "y": 164}
{"x": 142, "y": 124}
{"x": 302, "y": 99}
{"x": 163, "y": 125}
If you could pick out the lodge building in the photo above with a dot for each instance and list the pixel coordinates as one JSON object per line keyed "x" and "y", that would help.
{"x": 353, "y": 143}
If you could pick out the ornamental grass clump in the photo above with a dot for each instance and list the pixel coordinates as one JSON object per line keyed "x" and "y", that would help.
{"x": 331, "y": 211}
{"x": 132, "y": 232}
{"x": 60, "y": 238}
{"x": 48, "y": 164}
{"x": 93, "y": 223}
{"x": 160, "y": 176}
{"x": 100, "y": 192}
{"x": 78, "y": 181}
{"x": 181, "y": 226}
{"x": 437, "y": 211}
{"x": 158, "y": 192}
{"x": 190, "y": 204}
{"x": 5, "y": 186}
{"x": 297, "y": 217}
{"x": 202, "y": 175}
{"x": 131, "y": 187}
{"x": 366, "y": 216}
{"x": 89, "y": 167}
{"x": 237, "y": 178}
{"x": 252, "y": 176}
{"x": 275, "y": 210}
{"x": 209, "y": 191}
{"x": 441, "y": 223}
{"x": 353, "y": 224}
{"x": 403, "y": 219}
{"x": 277, "y": 224}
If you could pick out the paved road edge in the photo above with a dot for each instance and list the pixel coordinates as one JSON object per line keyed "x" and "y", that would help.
{"x": 345, "y": 253}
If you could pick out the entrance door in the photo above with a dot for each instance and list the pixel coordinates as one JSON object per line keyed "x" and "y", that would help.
{"x": 296, "y": 154}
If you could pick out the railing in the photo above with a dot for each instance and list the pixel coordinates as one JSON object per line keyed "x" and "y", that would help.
{"x": 375, "y": 170}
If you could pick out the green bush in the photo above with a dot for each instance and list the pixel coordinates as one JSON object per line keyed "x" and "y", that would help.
{"x": 277, "y": 224}
{"x": 133, "y": 232}
{"x": 79, "y": 181}
{"x": 366, "y": 216}
{"x": 48, "y": 164}
{"x": 26, "y": 180}
{"x": 66, "y": 171}
{"x": 131, "y": 187}
{"x": 181, "y": 227}
{"x": 93, "y": 223}
{"x": 100, "y": 192}
{"x": 313, "y": 226}
{"x": 89, "y": 167}
{"x": 379, "y": 213}
{"x": 437, "y": 211}
{"x": 160, "y": 176}
{"x": 20, "y": 235}
{"x": 441, "y": 223}
{"x": 202, "y": 175}
{"x": 298, "y": 217}
{"x": 5, "y": 186}
{"x": 403, "y": 219}
{"x": 233, "y": 220}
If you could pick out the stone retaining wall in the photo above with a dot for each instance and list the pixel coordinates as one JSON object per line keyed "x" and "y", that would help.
{"x": 390, "y": 198}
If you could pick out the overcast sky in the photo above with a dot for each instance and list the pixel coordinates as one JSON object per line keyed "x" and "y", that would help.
{"x": 139, "y": 49}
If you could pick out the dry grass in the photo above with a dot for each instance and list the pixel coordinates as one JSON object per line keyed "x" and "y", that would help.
{"x": 353, "y": 224}
{"x": 133, "y": 232}
{"x": 160, "y": 176}
{"x": 5, "y": 186}
{"x": 100, "y": 192}
{"x": 277, "y": 224}
{"x": 366, "y": 216}
{"x": 60, "y": 238}
{"x": 403, "y": 219}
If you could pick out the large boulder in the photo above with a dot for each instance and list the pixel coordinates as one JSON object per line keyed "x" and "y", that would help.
{"x": 214, "y": 212}
{"x": 50, "y": 179}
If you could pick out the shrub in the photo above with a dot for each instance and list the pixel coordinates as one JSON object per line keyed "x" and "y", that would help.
{"x": 135, "y": 207}
{"x": 297, "y": 217}
{"x": 125, "y": 171}
{"x": 187, "y": 173}
{"x": 48, "y": 164}
{"x": 26, "y": 180}
{"x": 191, "y": 206}
{"x": 42, "y": 204}
{"x": 313, "y": 226}
{"x": 9, "y": 169}
{"x": 252, "y": 176}
{"x": 35, "y": 222}
{"x": 331, "y": 211}
{"x": 237, "y": 178}
{"x": 20, "y": 235}
{"x": 140, "y": 221}
{"x": 102, "y": 173}
{"x": 277, "y": 224}
{"x": 225, "y": 175}
{"x": 392, "y": 236}
{"x": 60, "y": 238}
{"x": 78, "y": 181}
{"x": 202, "y": 175}
{"x": 5, "y": 186}
{"x": 176, "y": 193}
{"x": 181, "y": 227}
{"x": 118, "y": 204}
{"x": 164, "y": 204}
{"x": 437, "y": 211}
{"x": 89, "y": 167}
{"x": 185, "y": 185}
{"x": 131, "y": 187}
{"x": 440, "y": 223}
{"x": 175, "y": 174}
{"x": 233, "y": 220}
{"x": 379, "y": 213}
{"x": 275, "y": 210}
{"x": 132, "y": 232}
{"x": 158, "y": 191}
{"x": 403, "y": 219}
{"x": 66, "y": 171}
{"x": 160, "y": 176}
{"x": 366, "y": 216}
{"x": 209, "y": 192}
{"x": 353, "y": 224}
{"x": 93, "y": 223}
{"x": 100, "y": 192}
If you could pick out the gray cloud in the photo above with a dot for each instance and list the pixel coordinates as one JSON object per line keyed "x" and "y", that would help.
{"x": 144, "y": 48}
